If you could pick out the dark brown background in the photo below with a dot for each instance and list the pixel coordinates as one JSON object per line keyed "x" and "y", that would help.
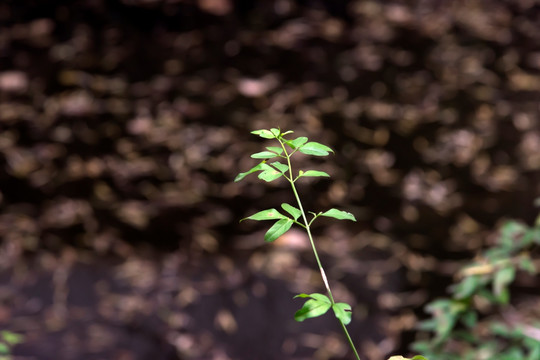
{"x": 123, "y": 124}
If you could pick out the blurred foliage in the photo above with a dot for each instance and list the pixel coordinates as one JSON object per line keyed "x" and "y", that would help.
{"x": 478, "y": 321}
{"x": 8, "y": 339}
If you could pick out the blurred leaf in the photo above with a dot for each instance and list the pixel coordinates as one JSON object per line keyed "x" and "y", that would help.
{"x": 343, "y": 312}
{"x": 467, "y": 287}
{"x": 526, "y": 264}
{"x": 502, "y": 278}
{"x": 466, "y": 335}
{"x": 316, "y": 149}
{"x": 275, "y": 131}
{"x": 427, "y": 325}
{"x": 263, "y": 133}
{"x": 268, "y": 214}
{"x": 513, "y": 353}
{"x": 12, "y": 338}
{"x": 498, "y": 328}
{"x": 278, "y": 229}
{"x": 295, "y": 213}
{"x": 445, "y": 313}
{"x": 470, "y": 318}
{"x": 339, "y": 214}
{"x": 4, "y": 349}
{"x": 534, "y": 351}
{"x": 531, "y": 237}
{"x": 510, "y": 232}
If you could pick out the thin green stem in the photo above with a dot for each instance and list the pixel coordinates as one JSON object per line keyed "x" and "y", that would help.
{"x": 308, "y": 230}
{"x": 349, "y": 339}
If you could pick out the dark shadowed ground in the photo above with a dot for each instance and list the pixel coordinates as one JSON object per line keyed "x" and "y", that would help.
{"x": 124, "y": 123}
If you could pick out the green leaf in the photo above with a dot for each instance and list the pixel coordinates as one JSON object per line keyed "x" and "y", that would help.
{"x": 291, "y": 210}
{"x": 270, "y": 175}
{"x": 264, "y": 155}
{"x": 314, "y": 148}
{"x": 526, "y": 264}
{"x": 4, "y": 349}
{"x": 534, "y": 351}
{"x": 12, "y": 338}
{"x": 419, "y": 357}
{"x": 296, "y": 143}
{"x": 268, "y": 214}
{"x": 532, "y": 236}
{"x": 467, "y": 287}
{"x": 315, "y": 296}
{"x": 511, "y": 231}
{"x": 275, "y": 149}
{"x": 281, "y": 167}
{"x": 260, "y": 166}
{"x": 343, "y": 312}
{"x": 314, "y": 173}
{"x": 287, "y": 132}
{"x": 275, "y": 131}
{"x": 267, "y": 134}
{"x": 445, "y": 313}
{"x": 278, "y": 229}
{"x": 317, "y": 305}
{"x": 470, "y": 318}
{"x": 338, "y": 214}
{"x": 502, "y": 279}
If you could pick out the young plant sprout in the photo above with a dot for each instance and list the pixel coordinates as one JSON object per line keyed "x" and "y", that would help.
{"x": 276, "y": 163}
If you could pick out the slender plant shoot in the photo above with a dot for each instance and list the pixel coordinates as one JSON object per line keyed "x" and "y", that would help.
{"x": 276, "y": 163}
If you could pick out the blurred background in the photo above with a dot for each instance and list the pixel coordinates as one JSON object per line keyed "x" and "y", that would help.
{"x": 123, "y": 124}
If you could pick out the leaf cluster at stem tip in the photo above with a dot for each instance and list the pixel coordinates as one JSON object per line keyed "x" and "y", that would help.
{"x": 270, "y": 171}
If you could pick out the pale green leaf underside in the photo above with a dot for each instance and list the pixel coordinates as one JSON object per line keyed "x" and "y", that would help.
{"x": 275, "y": 149}
{"x": 317, "y": 305}
{"x": 264, "y": 155}
{"x": 258, "y": 167}
{"x": 314, "y": 173}
{"x": 281, "y": 167}
{"x": 270, "y": 175}
{"x": 263, "y": 133}
{"x": 296, "y": 143}
{"x": 315, "y": 148}
{"x": 342, "y": 312}
{"x": 278, "y": 229}
{"x": 268, "y": 214}
{"x": 295, "y": 213}
{"x": 339, "y": 214}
